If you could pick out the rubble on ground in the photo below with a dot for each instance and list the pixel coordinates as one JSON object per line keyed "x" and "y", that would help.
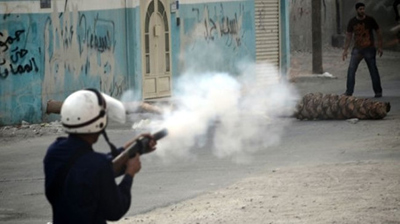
{"x": 26, "y": 129}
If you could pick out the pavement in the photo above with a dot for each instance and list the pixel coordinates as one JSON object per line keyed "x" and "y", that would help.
{"x": 328, "y": 171}
{"x": 321, "y": 172}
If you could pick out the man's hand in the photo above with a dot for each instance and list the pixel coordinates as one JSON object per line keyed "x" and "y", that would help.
{"x": 344, "y": 55}
{"x": 123, "y": 160}
{"x": 133, "y": 166}
{"x": 151, "y": 143}
{"x": 380, "y": 52}
{"x": 349, "y": 35}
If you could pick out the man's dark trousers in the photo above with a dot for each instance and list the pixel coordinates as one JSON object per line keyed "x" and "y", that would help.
{"x": 369, "y": 54}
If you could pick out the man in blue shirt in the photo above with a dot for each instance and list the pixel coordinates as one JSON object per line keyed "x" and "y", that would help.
{"x": 79, "y": 182}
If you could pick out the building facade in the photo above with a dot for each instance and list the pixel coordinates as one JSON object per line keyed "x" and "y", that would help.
{"x": 49, "y": 49}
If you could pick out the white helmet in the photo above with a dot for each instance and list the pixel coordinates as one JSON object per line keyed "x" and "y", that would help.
{"x": 83, "y": 112}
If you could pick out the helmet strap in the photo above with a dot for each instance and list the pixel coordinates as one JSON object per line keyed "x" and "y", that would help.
{"x": 114, "y": 151}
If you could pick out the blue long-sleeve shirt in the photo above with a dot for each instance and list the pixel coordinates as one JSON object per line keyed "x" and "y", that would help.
{"x": 90, "y": 193}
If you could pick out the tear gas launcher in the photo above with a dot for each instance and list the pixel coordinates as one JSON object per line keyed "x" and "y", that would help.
{"x": 141, "y": 146}
{"x": 116, "y": 111}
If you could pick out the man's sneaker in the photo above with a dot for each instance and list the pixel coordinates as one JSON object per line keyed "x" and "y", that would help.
{"x": 378, "y": 95}
{"x": 347, "y": 94}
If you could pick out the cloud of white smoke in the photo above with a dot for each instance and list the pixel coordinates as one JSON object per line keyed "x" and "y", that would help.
{"x": 237, "y": 115}
{"x": 234, "y": 115}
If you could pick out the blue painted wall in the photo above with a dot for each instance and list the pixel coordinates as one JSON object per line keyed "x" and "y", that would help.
{"x": 21, "y": 68}
{"x": 134, "y": 52}
{"x": 213, "y": 36}
{"x": 49, "y": 55}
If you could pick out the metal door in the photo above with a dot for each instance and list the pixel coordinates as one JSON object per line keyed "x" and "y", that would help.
{"x": 267, "y": 26}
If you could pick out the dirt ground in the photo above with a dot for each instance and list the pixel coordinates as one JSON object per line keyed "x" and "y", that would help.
{"x": 351, "y": 192}
{"x": 356, "y": 192}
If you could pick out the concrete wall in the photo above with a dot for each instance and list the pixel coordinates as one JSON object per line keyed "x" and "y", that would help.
{"x": 300, "y": 21}
{"x": 49, "y": 53}
{"x": 300, "y": 24}
{"x": 214, "y": 36}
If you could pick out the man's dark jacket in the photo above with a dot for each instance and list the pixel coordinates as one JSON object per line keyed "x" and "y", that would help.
{"x": 89, "y": 193}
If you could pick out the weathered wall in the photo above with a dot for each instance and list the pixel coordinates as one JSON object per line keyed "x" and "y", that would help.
{"x": 300, "y": 24}
{"x": 383, "y": 12}
{"x": 49, "y": 53}
{"x": 300, "y": 21}
{"x": 214, "y": 36}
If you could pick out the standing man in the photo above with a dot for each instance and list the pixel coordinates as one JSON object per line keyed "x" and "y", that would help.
{"x": 79, "y": 182}
{"x": 361, "y": 28}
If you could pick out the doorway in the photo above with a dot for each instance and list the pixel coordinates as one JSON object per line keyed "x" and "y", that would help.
{"x": 156, "y": 44}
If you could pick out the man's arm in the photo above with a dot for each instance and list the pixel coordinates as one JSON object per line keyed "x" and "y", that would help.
{"x": 120, "y": 161}
{"x": 119, "y": 166}
{"x": 379, "y": 33}
{"x": 349, "y": 35}
{"x": 115, "y": 200}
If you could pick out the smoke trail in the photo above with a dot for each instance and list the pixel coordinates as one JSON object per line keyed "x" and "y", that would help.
{"x": 203, "y": 99}
{"x": 234, "y": 109}
{"x": 241, "y": 115}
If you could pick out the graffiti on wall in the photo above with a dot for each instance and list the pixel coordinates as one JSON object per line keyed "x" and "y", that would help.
{"x": 101, "y": 38}
{"x": 13, "y": 59}
{"x": 222, "y": 28}
{"x": 219, "y": 25}
{"x": 77, "y": 45}
{"x": 20, "y": 65}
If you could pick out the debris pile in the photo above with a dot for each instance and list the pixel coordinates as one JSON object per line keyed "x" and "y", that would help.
{"x": 27, "y": 130}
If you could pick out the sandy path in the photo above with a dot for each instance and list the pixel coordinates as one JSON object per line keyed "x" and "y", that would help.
{"x": 356, "y": 192}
